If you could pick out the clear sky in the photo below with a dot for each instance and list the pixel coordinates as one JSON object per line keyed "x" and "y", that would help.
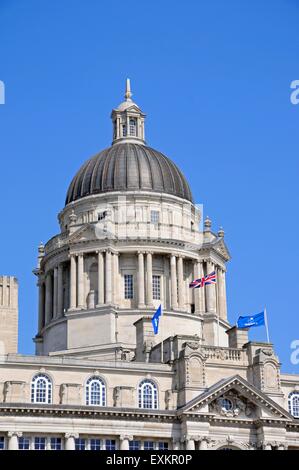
{"x": 213, "y": 77}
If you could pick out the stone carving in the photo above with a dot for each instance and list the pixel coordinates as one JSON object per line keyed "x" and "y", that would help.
{"x": 116, "y": 396}
{"x": 231, "y": 405}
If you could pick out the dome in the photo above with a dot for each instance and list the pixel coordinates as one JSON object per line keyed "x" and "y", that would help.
{"x": 128, "y": 167}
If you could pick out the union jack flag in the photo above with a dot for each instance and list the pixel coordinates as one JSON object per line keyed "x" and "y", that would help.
{"x": 206, "y": 280}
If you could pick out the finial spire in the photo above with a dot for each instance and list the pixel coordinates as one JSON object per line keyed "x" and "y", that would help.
{"x": 128, "y": 93}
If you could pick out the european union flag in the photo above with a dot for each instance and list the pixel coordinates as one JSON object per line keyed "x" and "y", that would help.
{"x": 155, "y": 320}
{"x": 254, "y": 320}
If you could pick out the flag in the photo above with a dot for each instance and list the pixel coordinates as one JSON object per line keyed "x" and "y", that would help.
{"x": 155, "y": 319}
{"x": 254, "y": 320}
{"x": 206, "y": 280}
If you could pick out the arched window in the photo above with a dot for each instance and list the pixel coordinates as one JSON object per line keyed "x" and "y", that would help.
{"x": 294, "y": 404}
{"x": 41, "y": 389}
{"x": 95, "y": 392}
{"x": 147, "y": 395}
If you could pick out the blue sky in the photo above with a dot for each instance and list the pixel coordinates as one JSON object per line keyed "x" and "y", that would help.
{"x": 214, "y": 79}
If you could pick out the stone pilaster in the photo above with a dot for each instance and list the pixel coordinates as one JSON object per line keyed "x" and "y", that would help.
{"x": 141, "y": 299}
{"x": 55, "y": 291}
{"x": 49, "y": 297}
{"x": 149, "y": 283}
{"x": 181, "y": 289}
{"x": 210, "y": 290}
{"x": 41, "y": 304}
{"x": 100, "y": 279}
{"x": 60, "y": 290}
{"x": 108, "y": 277}
{"x": 73, "y": 282}
{"x": 174, "y": 288}
{"x": 81, "y": 303}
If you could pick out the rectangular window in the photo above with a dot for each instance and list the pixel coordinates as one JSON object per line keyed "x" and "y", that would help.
{"x": 156, "y": 287}
{"x": 129, "y": 286}
{"x": 124, "y": 130}
{"x": 110, "y": 444}
{"x": 24, "y": 443}
{"x": 162, "y": 445}
{"x": 149, "y": 445}
{"x": 80, "y": 444}
{"x": 95, "y": 444}
{"x": 39, "y": 443}
{"x": 155, "y": 217}
{"x": 55, "y": 443}
{"x": 2, "y": 443}
{"x": 134, "y": 445}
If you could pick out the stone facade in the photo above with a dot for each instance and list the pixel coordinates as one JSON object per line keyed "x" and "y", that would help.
{"x": 101, "y": 378}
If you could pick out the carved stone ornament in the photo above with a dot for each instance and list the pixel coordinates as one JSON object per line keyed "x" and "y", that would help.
{"x": 231, "y": 405}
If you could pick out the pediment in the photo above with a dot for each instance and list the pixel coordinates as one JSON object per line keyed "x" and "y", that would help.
{"x": 220, "y": 247}
{"x": 236, "y": 398}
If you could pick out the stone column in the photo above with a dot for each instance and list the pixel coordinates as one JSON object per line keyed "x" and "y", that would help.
{"x": 81, "y": 303}
{"x": 199, "y": 293}
{"x": 41, "y": 305}
{"x": 141, "y": 301}
{"x": 55, "y": 292}
{"x": 60, "y": 290}
{"x": 221, "y": 293}
{"x": 108, "y": 278}
{"x": 70, "y": 440}
{"x": 174, "y": 288}
{"x": 124, "y": 442}
{"x": 181, "y": 290}
{"x": 13, "y": 437}
{"x": 149, "y": 283}
{"x": 116, "y": 278}
{"x": 73, "y": 283}
{"x": 100, "y": 279}
{"x": 190, "y": 444}
{"x": 49, "y": 297}
{"x": 210, "y": 291}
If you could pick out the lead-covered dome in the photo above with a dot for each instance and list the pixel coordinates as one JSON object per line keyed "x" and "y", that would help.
{"x": 128, "y": 166}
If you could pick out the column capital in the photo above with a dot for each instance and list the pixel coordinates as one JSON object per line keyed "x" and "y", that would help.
{"x": 69, "y": 435}
{"x": 124, "y": 437}
{"x": 139, "y": 252}
{"x": 15, "y": 433}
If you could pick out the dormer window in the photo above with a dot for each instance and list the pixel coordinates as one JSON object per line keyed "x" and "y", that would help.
{"x": 133, "y": 126}
{"x": 124, "y": 130}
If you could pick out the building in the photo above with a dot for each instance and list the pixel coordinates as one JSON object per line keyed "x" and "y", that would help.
{"x": 131, "y": 239}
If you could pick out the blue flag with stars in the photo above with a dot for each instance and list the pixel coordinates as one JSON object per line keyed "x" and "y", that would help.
{"x": 155, "y": 319}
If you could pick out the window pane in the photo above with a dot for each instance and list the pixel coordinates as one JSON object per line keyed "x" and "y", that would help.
{"x": 23, "y": 443}
{"x": 110, "y": 444}
{"x": 2, "y": 443}
{"x": 134, "y": 445}
{"x": 39, "y": 443}
{"x": 149, "y": 445}
{"x": 80, "y": 444}
{"x": 163, "y": 445}
{"x": 128, "y": 286}
{"x": 56, "y": 443}
{"x": 133, "y": 127}
{"x": 155, "y": 217}
{"x": 156, "y": 287}
{"x": 95, "y": 444}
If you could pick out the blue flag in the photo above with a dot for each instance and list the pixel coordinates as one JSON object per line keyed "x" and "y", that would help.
{"x": 254, "y": 320}
{"x": 155, "y": 320}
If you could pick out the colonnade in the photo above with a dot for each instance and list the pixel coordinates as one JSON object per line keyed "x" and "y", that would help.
{"x": 211, "y": 298}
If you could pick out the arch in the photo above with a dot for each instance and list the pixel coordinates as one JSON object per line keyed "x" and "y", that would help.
{"x": 293, "y": 402}
{"x": 41, "y": 389}
{"x": 95, "y": 391}
{"x": 148, "y": 394}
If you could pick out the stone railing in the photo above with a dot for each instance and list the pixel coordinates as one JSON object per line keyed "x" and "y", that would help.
{"x": 56, "y": 242}
{"x": 225, "y": 354}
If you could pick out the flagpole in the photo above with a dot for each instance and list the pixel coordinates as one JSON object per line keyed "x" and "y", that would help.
{"x": 266, "y": 324}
